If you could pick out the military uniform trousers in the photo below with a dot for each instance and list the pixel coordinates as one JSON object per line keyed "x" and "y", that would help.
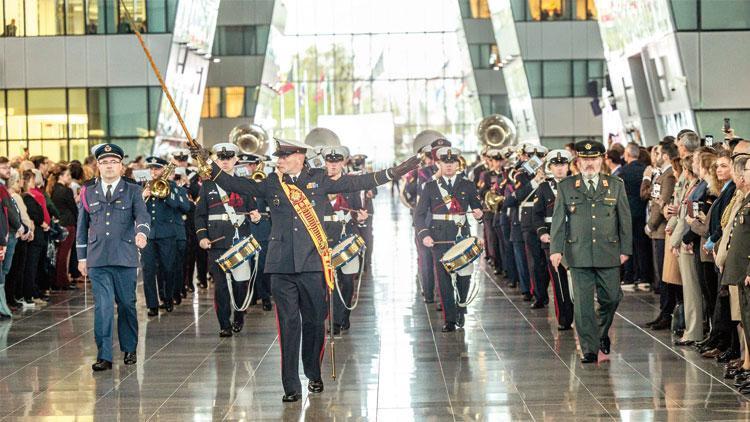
{"x": 346, "y": 285}
{"x": 262, "y": 280}
{"x": 301, "y": 309}
{"x": 426, "y": 271}
{"x": 744, "y": 293}
{"x": 537, "y": 263}
{"x": 606, "y": 282}
{"x": 491, "y": 249}
{"x": 179, "y": 269}
{"x": 445, "y": 282}
{"x": 509, "y": 260}
{"x": 222, "y": 301}
{"x": 110, "y": 285}
{"x": 522, "y": 266}
{"x": 158, "y": 258}
{"x": 188, "y": 269}
{"x": 561, "y": 292}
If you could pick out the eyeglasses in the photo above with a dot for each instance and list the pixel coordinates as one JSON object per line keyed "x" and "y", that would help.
{"x": 109, "y": 162}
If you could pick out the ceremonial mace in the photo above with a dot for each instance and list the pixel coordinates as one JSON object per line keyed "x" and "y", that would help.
{"x": 203, "y": 167}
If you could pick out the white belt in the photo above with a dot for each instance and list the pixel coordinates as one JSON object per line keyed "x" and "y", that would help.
{"x": 331, "y": 218}
{"x": 456, "y": 218}
{"x": 548, "y": 219}
{"x": 225, "y": 217}
{"x": 527, "y": 204}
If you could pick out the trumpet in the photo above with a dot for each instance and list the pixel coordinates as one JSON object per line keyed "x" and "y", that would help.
{"x": 258, "y": 175}
{"x": 160, "y": 186}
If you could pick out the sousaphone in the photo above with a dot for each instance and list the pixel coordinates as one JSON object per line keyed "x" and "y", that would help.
{"x": 497, "y": 131}
{"x": 249, "y": 138}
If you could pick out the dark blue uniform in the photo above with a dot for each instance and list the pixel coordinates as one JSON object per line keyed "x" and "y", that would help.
{"x": 159, "y": 257}
{"x": 212, "y": 222}
{"x": 105, "y": 239}
{"x": 341, "y": 223}
{"x": 262, "y": 231}
{"x": 424, "y": 254}
{"x": 513, "y": 198}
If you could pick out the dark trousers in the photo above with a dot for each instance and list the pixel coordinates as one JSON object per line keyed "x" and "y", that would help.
{"x": 509, "y": 260}
{"x": 112, "y": 285}
{"x": 35, "y": 254}
{"x": 426, "y": 271}
{"x": 640, "y": 267}
{"x": 201, "y": 265}
{"x": 188, "y": 269}
{"x": 561, "y": 292}
{"x": 262, "y": 280}
{"x": 158, "y": 258}
{"x": 490, "y": 238}
{"x": 708, "y": 280}
{"x": 447, "y": 293}
{"x": 721, "y": 329}
{"x": 14, "y": 272}
{"x": 63, "y": 258}
{"x": 522, "y": 266}
{"x": 537, "y": 263}
{"x": 367, "y": 235}
{"x": 340, "y": 312}
{"x": 222, "y": 301}
{"x": 301, "y": 310}
{"x": 658, "y": 252}
{"x": 179, "y": 269}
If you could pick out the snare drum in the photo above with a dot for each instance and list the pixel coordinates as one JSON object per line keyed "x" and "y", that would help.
{"x": 461, "y": 254}
{"x": 347, "y": 250}
{"x": 239, "y": 253}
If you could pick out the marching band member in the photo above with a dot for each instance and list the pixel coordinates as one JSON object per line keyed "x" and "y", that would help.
{"x": 160, "y": 255}
{"x": 441, "y": 217}
{"x": 365, "y": 198}
{"x": 191, "y": 252}
{"x": 298, "y": 257}
{"x": 501, "y": 223}
{"x": 490, "y": 180}
{"x": 260, "y": 230}
{"x": 544, "y": 205}
{"x": 220, "y": 220}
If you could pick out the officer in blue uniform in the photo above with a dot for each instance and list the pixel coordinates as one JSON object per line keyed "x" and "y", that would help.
{"x": 112, "y": 223}
{"x": 297, "y": 279}
{"x": 221, "y": 218}
{"x": 260, "y": 230}
{"x": 160, "y": 256}
{"x": 189, "y": 180}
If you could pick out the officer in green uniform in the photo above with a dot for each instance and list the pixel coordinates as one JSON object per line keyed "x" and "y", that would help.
{"x": 591, "y": 229}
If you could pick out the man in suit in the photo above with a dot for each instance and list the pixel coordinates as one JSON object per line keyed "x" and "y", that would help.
{"x": 662, "y": 190}
{"x": 159, "y": 257}
{"x": 441, "y": 216}
{"x": 591, "y": 231}
{"x": 298, "y": 258}
{"x": 221, "y": 219}
{"x": 112, "y": 224}
{"x": 544, "y": 204}
{"x": 640, "y": 268}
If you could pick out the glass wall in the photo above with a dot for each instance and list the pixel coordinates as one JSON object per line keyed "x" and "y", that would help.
{"x": 230, "y": 102}
{"x": 553, "y": 10}
{"x": 62, "y": 123}
{"x": 711, "y": 15}
{"x": 30, "y": 18}
{"x": 241, "y": 40}
{"x": 563, "y": 78}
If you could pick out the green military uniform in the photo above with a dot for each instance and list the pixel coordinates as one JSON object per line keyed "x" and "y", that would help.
{"x": 591, "y": 227}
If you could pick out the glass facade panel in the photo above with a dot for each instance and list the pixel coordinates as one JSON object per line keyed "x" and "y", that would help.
{"x": 557, "y": 78}
{"x": 77, "y": 114}
{"x": 251, "y": 100}
{"x": 96, "y": 17}
{"x": 78, "y": 148}
{"x": 154, "y": 100}
{"x": 97, "y": 113}
{"x": 16, "y": 101}
{"x": 75, "y": 17}
{"x": 3, "y": 120}
{"x": 580, "y": 78}
{"x": 156, "y": 11}
{"x": 549, "y": 10}
{"x": 212, "y": 103}
{"x": 171, "y": 13}
{"x": 128, "y": 112}
{"x": 14, "y": 19}
{"x": 240, "y": 40}
{"x": 553, "y": 10}
{"x": 44, "y": 17}
{"x": 534, "y": 76}
{"x": 55, "y": 149}
{"x": 16, "y": 148}
{"x": 234, "y": 98}
{"x": 585, "y": 10}
{"x": 137, "y": 9}
{"x": 725, "y": 14}
{"x": 685, "y": 13}
{"x": 47, "y": 116}
{"x": 134, "y": 147}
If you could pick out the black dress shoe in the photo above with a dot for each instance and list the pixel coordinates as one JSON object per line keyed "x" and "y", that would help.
{"x": 604, "y": 344}
{"x": 537, "y": 305}
{"x": 563, "y": 327}
{"x": 169, "y": 307}
{"x": 345, "y": 326}
{"x": 706, "y": 347}
{"x": 153, "y": 311}
{"x": 227, "y": 332}
{"x": 663, "y": 324}
{"x": 742, "y": 378}
{"x": 656, "y": 321}
{"x": 203, "y": 285}
{"x": 589, "y": 358}
{"x": 101, "y": 365}
{"x": 512, "y": 285}
{"x": 449, "y": 327}
{"x": 315, "y": 386}
{"x": 526, "y": 297}
{"x": 460, "y": 319}
{"x": 291, "y": 397}
{"x": 684, "y": 342}
{"x": 130, "y": 358}
{"x": 267, "y": 306}
{"x": 733, "y": 373}
{"x": 727, "y": 356}
{"x": 177, "y": 300}
{"x": 237, "y": 326}
{"x": 163, "y": 305}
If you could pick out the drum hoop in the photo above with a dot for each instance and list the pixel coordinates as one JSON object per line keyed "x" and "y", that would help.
{"x": 462, "y": 260}
{"x": 232, "y": 258}
{"x": 348, "y": 252}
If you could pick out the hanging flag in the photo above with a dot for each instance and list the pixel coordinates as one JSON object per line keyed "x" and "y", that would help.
{"x": 461, "y": 89}
{"x": 319, "y": 88}
{"x": 357, "y": 94}
{"x": 285, "y": 87}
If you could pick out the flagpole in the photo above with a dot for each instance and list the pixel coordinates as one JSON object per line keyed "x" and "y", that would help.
{"x": 297, "y": 120}
{"x": 333, "y": 96}
{"x": 325, "y": 94}
{"x": 306, "y": 103}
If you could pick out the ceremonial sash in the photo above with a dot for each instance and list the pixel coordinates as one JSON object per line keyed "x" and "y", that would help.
{"x": 306, "y": 213}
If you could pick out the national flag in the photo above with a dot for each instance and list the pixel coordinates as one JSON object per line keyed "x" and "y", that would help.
{"x": 320, "y": 88}
{"x": 357, "y": 95}
{"x": 285, "y": 87}
{"x": 461, "y": 89}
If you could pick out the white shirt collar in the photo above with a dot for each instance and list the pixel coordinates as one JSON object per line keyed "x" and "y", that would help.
{"x": 451, "y": 180}
{"x": 113, "y": 184}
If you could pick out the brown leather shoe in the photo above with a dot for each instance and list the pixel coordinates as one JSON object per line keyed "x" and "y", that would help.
{"x": 711, "y": 353}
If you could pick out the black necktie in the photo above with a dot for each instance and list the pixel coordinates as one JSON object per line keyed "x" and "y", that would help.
{"x": 109, "y": 193}
{"x": 450, "y": 184}
{"x": 294, "y": 180}
{"x": 591, "y": 186}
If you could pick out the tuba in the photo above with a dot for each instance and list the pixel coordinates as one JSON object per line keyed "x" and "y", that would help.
{"x": 496, "y": 131}
{"x": 322, "y": 137}
{"x": 250, "y": 139}
{"x": 160, "y": 187}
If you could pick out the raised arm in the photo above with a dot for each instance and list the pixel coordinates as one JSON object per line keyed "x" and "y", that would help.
{"x": 239, "y": 185}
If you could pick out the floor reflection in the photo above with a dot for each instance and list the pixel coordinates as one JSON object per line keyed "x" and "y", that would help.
{"x": 509, "y": 363}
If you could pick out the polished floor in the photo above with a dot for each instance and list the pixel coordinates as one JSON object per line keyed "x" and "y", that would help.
{"x": 509, "y": 363}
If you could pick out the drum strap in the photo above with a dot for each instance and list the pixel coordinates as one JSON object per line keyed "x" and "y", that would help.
{"x": 236, "y": 220}
{"x": 306, "y": 213}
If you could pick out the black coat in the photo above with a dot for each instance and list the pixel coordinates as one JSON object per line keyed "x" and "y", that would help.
{"x": 632, "y": 175}
{"x": 432, "y": 202}
{"x": 36, "y": 214}
{"x": 544, "y": 207}
{"x": 62, "y": 197}
{"x": 290, "y": 247}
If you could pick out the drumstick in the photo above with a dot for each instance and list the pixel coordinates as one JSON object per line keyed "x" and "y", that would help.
{"x": 217, "y": 239}
{"x": 443, "y": 242}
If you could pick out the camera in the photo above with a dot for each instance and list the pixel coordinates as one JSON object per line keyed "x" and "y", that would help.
{"x": 532, "y": 165}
